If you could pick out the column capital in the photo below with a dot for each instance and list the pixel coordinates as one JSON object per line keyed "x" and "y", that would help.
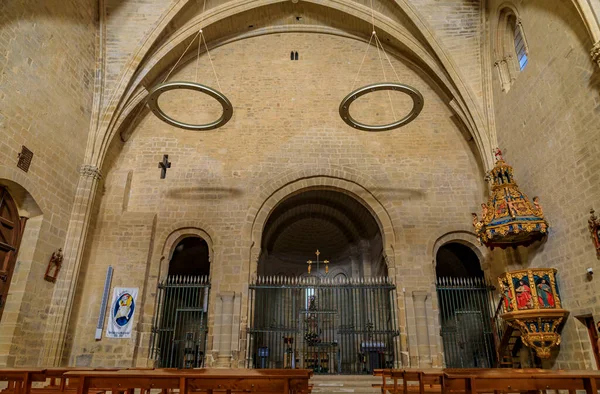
{"x": 420, "y": 294}
{"x": 90, "y": 171}
{"x": 595, "y": 53}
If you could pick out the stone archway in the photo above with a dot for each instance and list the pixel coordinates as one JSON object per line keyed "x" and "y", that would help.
{"x": 464, "y": 302}
{"x": 354, "y": 291}
{"x": 335, "y": 223}
{"x": 22, "y": 285}
{"x": 342, "y": 180}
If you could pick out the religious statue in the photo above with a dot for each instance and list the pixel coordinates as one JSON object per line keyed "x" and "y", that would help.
{"x": 545, "y": 297}
{"x": 54, "y": 266}
{"x": 506, "y": 297}
{"x": 484, "y": 212}
{"x": 524, "y": 299}
{"x": 477, "y": 223}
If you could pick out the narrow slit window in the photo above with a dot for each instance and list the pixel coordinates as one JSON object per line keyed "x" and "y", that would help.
{"x": 520, "y": 47}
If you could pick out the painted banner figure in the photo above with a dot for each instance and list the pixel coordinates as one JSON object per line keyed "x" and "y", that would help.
{"x": 122, "y": 312}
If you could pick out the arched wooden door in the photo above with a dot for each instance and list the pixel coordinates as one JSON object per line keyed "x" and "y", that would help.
{"x": 11, "y": 230}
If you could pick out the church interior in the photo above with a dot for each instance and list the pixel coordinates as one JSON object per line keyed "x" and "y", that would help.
{"x": 338, "y": 186}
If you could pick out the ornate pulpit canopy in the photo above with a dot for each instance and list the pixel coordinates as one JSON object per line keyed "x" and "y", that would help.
{"x": 508, "y": 218}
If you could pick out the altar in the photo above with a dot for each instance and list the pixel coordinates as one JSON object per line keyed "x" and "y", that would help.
{"x": 322, "y": 358}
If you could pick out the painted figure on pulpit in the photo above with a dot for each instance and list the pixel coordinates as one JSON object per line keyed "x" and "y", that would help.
{"x": 524, "y": 299}
{"x": 545, "y": 297}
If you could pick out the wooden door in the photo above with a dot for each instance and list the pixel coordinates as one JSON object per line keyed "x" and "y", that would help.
{"x": 589, "y": 322}
{"x": 11, "y": 229}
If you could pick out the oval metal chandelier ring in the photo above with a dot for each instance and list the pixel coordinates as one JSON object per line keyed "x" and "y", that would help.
{"x": 165, "y": 87}
{"x": 350, "y": 98}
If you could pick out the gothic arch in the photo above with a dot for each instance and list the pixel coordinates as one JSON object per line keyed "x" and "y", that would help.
{"x": 439, "y": 64}
{"x": 505, "y": 56}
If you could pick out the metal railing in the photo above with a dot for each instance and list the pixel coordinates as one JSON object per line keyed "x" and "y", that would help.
{"x": 465, "y": 316}
{"x": 180, "y": 322}
{"x": 342, "y": 326}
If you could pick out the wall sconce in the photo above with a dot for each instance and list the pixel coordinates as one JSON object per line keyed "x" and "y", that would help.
{"x": 54, "y": 266}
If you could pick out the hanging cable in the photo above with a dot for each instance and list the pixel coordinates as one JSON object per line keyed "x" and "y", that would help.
{"x": 416, "y": 96}
{"x": 165, "y": 86}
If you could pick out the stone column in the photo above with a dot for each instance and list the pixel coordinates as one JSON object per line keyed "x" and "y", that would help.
{"x": 62, "y": 299}
{"x": 422, "y": 327}
{"x": 223, "y": 330}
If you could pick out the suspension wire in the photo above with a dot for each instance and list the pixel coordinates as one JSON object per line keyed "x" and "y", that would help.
{"x": 388, "y": 59}
{"x": 201, "y": 39}
{"x": 380, "y": 47}
{"x": 363, "y": 60}
{"x": 211, "y": 62}
{"x": 182, "y": 55}
{"x": 198, "y": 54}
{"x": 372, "y": 17}
{"x": 384, "y": 76}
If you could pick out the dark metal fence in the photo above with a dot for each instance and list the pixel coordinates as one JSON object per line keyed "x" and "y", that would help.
{"x": 180, "y": 322}
{"x": 341, "y": 326}
{"x": 466, "y": 310}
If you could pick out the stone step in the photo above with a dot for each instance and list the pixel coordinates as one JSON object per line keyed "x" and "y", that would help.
{"x": 357, "y": 384}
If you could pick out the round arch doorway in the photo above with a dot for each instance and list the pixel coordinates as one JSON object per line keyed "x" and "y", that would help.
{"x": 334, "y": 317}
{"x": 182, "y": 307}
{"x": 466, "y": 308}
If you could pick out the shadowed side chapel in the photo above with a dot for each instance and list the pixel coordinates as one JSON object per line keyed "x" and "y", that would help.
{"x": 339, "y": 186}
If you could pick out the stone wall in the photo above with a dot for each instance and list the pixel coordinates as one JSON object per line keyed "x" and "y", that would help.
{"x": 547, "y": 125}
{"x": 285, "y": 132}
{"x": 47, "y": 54}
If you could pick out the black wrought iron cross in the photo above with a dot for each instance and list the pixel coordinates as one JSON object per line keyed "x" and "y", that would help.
{"x": 163, "y": 165}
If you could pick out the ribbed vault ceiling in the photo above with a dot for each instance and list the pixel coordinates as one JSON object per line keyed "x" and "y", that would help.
{"x": 327, "y": 220}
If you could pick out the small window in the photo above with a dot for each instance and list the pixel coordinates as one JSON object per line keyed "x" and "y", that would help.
{"x": 520, "y": 47}
{"x": 511, "y": 49}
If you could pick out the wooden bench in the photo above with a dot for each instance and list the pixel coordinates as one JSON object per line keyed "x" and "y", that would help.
{"x": 519, "y": 381}
{"x": 423, "y": 380}
{"x": 19, "y": 380}
{"x": 385, "y": 375}
{"x": 286, "y": 381}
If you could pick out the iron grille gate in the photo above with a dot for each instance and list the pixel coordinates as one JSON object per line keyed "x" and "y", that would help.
{"x": 331, "y": 326}
{"x": 466, "y": 310}
{"x": 180, "y": 322}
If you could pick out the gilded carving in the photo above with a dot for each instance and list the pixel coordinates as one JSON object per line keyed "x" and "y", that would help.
{"x": 531, "y": 304}
{"x": 508, "y": 218}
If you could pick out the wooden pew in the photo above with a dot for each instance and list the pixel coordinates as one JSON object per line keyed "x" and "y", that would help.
{"x": 385, "y": 375}
{"x": 19, "y": 380}
{"x": 423, "y": 381}
{"x": 514, "y": 381}
{"x": 285, "y": 381}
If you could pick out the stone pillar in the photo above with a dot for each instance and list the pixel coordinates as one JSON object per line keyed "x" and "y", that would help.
{"x": 66, "y": 285}
{"x": 422, "y": 328}
{"x": 226, "y": 329}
